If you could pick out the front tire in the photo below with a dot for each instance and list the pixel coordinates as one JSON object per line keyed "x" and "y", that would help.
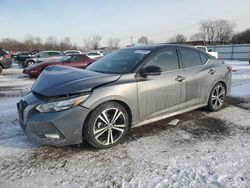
{"x": 30, "y": 63}
{"x": 106, "y": 125}
{"x": 217, "y": 97}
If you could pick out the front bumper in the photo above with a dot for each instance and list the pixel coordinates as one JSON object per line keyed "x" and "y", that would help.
{"x": 56, "y": 129}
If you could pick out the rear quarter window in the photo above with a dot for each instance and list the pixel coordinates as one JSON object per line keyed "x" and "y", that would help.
{"x": 204, "y": 58}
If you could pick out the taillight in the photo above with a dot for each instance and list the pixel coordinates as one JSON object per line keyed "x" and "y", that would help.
{"x": 229, "y": 68}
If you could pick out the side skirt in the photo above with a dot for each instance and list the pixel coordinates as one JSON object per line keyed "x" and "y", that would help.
{"x": 154, "y": 119}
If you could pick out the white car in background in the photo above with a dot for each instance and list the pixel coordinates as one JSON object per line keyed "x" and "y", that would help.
{"x": 204, "y": 48}
{"x": 69, "y": 52}
{"x": 94, "y": 55}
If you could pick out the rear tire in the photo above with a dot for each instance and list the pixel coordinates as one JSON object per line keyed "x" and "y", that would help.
{"x": 216, "y": 97}
{"x": 106, "y": 125}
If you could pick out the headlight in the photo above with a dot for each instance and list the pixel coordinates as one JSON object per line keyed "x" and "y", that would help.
{"x": 56, "y": 106}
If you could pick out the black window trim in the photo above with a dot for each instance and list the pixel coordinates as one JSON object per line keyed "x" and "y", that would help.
{"x": 205, "y": 56}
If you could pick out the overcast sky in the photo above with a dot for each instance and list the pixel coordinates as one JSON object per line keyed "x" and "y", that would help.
{"x": 79, "y": 19}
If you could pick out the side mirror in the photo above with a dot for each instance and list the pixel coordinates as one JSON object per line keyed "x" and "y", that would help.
{"x": 150, "y": 71}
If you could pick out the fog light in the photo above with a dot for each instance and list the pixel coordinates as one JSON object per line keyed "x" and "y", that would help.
{"x": 55, "y": 136}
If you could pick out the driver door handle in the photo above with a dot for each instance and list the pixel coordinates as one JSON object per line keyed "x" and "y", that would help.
{"x": 179, "y": 78}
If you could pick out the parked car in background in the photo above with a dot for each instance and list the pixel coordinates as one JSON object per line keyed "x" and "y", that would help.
{"x": 94, "y": 54}
{"x": 21, "y": 57}
{"x": 41, "y": 56}
{"x": 69, "y": 52}
{"x": 204, "y": 48}
{"x": 127, "y": 88}
{"x": 5, "y": 60}
{"x": 106, "y": 52}
{"x": 77, "y": 60}
{"x": 15, "y": 54}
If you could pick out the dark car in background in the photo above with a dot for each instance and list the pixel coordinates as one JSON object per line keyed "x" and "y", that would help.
{"x": 20, "y": 57}
{"x": 77, "y": 60}
{"x": 41, "y": 56}
{"x": 5, "y": 60}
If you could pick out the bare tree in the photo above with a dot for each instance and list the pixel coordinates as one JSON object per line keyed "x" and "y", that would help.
{"x": 219, "y": 31}
{"x": 65, "y": 44}
{"x": 51, "y": 43}
{"x": 95, "y": 42}
{"x": 196, "y": 37}
{"x": 179, "y": 38}
{"x": 242, "y": 37}
{"x": 35, "y": 43}
{"x": 113, "y": 43}
{"x": 143, "y": 40}
{"x": 39, "y": 43}
{"x": 29, "y": 42}
{"x": 207, "y": 29}
{"x": 11, "y": 44}
{"x": 224, "y": 31}
{"x": 87, "y": 44}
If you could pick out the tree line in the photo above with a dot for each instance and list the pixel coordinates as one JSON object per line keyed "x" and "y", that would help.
{"x": 215, "y": 32}
{"x": 210, "y": 32}
{"x": 31, "y": 43}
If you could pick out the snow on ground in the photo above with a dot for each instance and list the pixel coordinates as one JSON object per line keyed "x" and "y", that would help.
{"x": 203, "y": 150}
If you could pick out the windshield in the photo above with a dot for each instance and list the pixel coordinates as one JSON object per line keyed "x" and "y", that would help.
{"x": 118, "y": 62}
{"x": 65, "y": 58}
{"x": 38, "y": 55}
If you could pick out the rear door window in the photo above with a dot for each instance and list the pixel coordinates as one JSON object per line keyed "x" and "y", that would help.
{"x": 190, "y": 58}
{"x": 166, "y": 59}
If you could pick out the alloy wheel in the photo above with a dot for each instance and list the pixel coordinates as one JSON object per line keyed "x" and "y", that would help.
{"x": 109, "y": 126}
{"x": 218, "y": 96}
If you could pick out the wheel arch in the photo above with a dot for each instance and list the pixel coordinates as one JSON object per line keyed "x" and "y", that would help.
{"x": 222, "y": 82}
{"x": 214, "y": 84}
{"x": 122, "y": 102}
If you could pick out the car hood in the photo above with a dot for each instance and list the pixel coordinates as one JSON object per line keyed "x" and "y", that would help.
{"x": 61, "y": 80}
{"x": 42, "y": 64}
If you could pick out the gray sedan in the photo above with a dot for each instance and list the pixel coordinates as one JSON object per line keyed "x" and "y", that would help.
{"x": 127, "y": 88}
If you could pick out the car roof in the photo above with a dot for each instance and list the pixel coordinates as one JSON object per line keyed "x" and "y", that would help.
{"x": 50, "y": 51}
{"x": 76, "y": 54}
{"x": 157, "y": 46}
